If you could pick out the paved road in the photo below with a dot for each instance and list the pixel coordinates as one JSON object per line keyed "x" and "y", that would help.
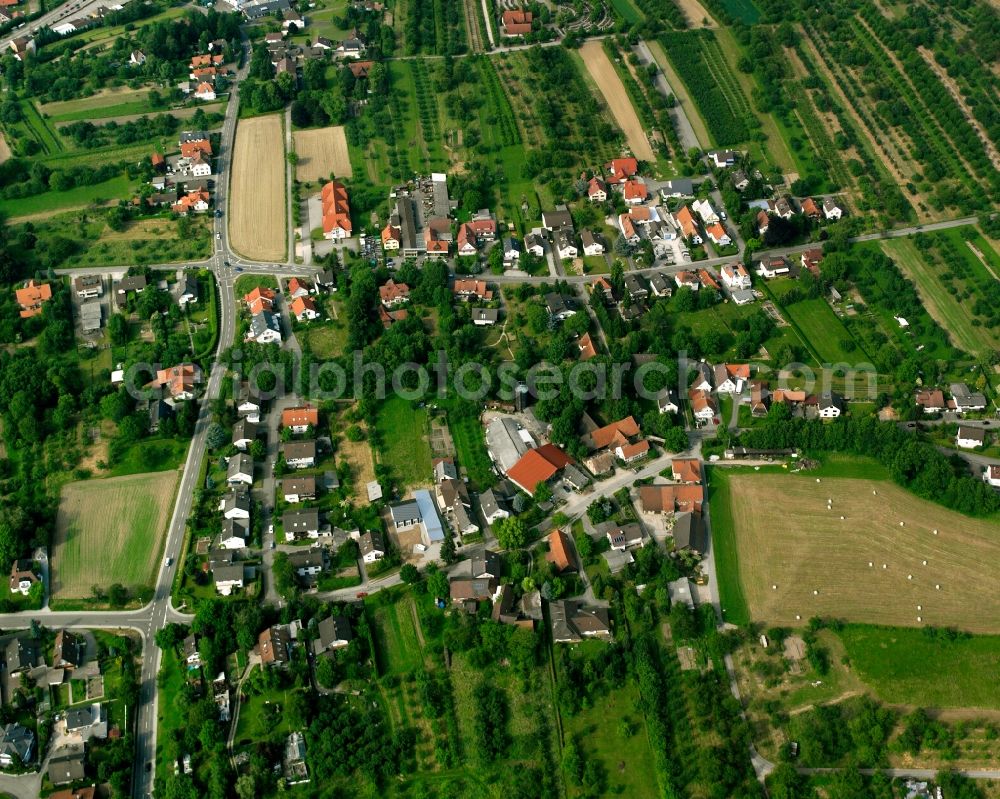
{"x": 59, "y": 14}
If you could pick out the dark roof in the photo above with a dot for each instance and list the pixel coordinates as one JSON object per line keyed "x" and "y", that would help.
{"x": 689, "y": 532}
{"x": 66, "y": 765}
{"x": 69, "y": 649}
{"x": 22, "y": 653}
{"x": 330, "y": 630}
{"x": 293, "y": 450}
{"x": 300, "y": 521}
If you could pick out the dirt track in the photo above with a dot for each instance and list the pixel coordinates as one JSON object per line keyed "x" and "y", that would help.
{"x": 257, "y": 204}
{"x": 322, "y": 152}
{"x": 603, "y": 73}
{"x": 4, "y": 149}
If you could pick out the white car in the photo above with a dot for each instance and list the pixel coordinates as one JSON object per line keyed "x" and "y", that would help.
{"x": 270, "y": 529}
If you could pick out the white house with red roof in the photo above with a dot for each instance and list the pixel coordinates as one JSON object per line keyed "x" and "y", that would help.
{"x": 621, "y": 169}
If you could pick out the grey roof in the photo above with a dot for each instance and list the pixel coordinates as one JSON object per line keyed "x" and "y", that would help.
{"x": 689, "y": 532}
{"x": 533, "y": 240}
{"x": 571, "y": 621}
{"x": 236, "y": 500}
{"x": 237, "y": 528}
{"x": 66, "y": 765}
{"x": 564, "y": 238}
{"x": 21, "y": 653}
{"x": 244, "y": 430}
{"x": 489, "y": 503}
{"x": 132, "y": 283}
{"x": 190, "y": 645}
{"x": 90, "y": 315}
{"x": 240, "y": 464}
{"x": 192, "y": 135}
{"x": 300, "y": 521}
{"x": 556, "y": 303}
{"x": 634, "y": 286}
{"x": 489, "y": 564}
{"x": 311, "y": 558}
{"x": 330, "y": 630}
{"x": 371, "y": 542}
{"x": 17, "y": 740}
{"x": 572, "y": 475}
{"x": 78, "y": 718}
{"x": 186, "y": 284}
{"x": 972, "y": 433}
{"x": 666, "y": 397}
{"x": 831, "y": 399}
{"x": 331, "y": 480}
{"x": 681, "y": 186}
{"x": 263, "y": 321}
{"x": 445, "y": 469}
{"x": 299, "y": 485}
{"x": 624, "y": 535}
{"x": 220, "y": 557}
{"x": 491, "y": 315}
{"x": 660, "y": 283}
{"x": 558, "y": 218}
{"x": 295, "y": 450}
{"x": 405, "y": 512}
{"x": 228, "y": 574}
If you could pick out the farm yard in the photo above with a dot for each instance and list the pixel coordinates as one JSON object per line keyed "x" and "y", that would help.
{"x": 257, "y": 205}
{"x": 600, "y": 68}
{"x": 322, "y": 153}
{"x": 792, "y": 558}
{"x": 110, "y": 531}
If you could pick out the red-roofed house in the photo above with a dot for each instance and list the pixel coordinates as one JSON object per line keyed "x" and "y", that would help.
{"x": 811, "y": 259}
{"x": 260, "y": 299}
{"x": 634, "y": 191}
{"x": 468, "y": 289}
{"x": 717, "y": 233}
{"x": 31, "y": 298}
{"x": 671, "y": 498}
{"x": 684, "y": 219}
{"x": 708, "y": 279}
{"x": 612, "y": 433}
{"x": 597, "y": 190}
{"x": 537, "y": 466}
{"x": 473, "y": 232}
{"x": 810, "y": 209}
{"x": 392, "y": 236}
{"x": 621, "y": 169}
{"x": 336, "y": 211}
{"x": 686, "y": 470}
{"x": 179, "y": 381}
{"x": 189, "y": 148}
{"x": 436, "y": 236}
{"x": 158, "y": 162}
{"x": 559, "y": 549}
{"x": 300, "y": 419}
{"x": 393, "y": 293}
{"x": 586, "y": 346}
{"x": 360, "y": 69}
{"x": 196, "y": 201}
{"x": 515, "y": 22}
{"x": 303, "y": 308}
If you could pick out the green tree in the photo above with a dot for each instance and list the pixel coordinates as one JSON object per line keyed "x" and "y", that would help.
{"x": 511, "y": 533}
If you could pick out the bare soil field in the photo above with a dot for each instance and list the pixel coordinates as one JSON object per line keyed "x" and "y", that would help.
{"x": 799, "y": 559}
{"x": 257, "y": 190}
{"x": 359, "y": 455}
{"x": 603, "y": 73}
{"x": 696, "y": 14}
{"x": 110, "y": 531}
{"x": 5, "y": 152}
{"x": 322, "y": 152}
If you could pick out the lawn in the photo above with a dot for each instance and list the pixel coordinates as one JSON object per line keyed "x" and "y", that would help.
{"x": 470, "y": 445}
{"x": 404, "y": 448}
{"x": 904, "y": 666}
{"x": 628, "y": 762}
{"x": 327, "y": 338}
{"x": 115, "y": 189}
{"x": 627, "y": 11}
{"x": 247, "y": 283}
{"x": 398, "y": 645}
{"x": 954, "y": 315}
{"x": 824, "y": 333}
{"x": 169, "y": 681}
{"x": 110, "y": 531}
{"x": 150, "y": 455}
{"x": 791, "y": 557}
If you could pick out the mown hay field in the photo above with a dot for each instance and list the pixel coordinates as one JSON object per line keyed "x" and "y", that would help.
{"x": 322, "y": 152}
{"x": 257, "y": 211}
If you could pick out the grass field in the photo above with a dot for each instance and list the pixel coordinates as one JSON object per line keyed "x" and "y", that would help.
{"x": 903, "y": 666}
{"x": 743, "y": 10}
{"x": 627, "y": 762}
{"x": 102, "y": 104}
{"x": 109, "y": 531}
{"x": 398, "y": 645}
{"x": 55, "y": 201}
{"x": 774, "y": 529}
{"x": 627, "y": 10}
{"x": 322, "y": 152}
{"x": 327, "y": 340}
{"x": 257, "y": 212}
{"x": 405, "y": 448}
{"x": 470, "y": 446}
{"x": 603, "y": 72}
{"x": 946, "y": 309}
{"x": 823, "y": 331}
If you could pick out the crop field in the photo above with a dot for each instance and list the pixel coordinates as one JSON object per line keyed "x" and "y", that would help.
{"x": 322, "y": 152}
{"x": 603, "y": 72}
{"x": 794, "y": 558}
{"x": 405, "y": 447}
{"x": 257, "y": 211}
{"x": 110, "y": 531}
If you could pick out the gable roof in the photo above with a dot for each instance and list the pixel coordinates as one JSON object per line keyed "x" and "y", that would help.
{"x": 686, "y": 470}
{"x": 668, "y": 498}
{"x": 537, "y": 466}
{"x": 615, "y": 433}
{"x": 301, "y": 416}
{"x": 558, "y": 554}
